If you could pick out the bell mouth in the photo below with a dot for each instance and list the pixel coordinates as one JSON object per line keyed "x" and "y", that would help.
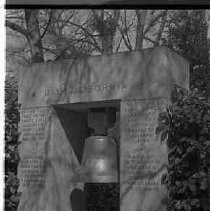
{"x": 99, "y": 162}
{"x": 98, "y": 137}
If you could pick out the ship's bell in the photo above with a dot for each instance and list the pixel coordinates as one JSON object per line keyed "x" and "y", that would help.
{"x": 99, "y": 160}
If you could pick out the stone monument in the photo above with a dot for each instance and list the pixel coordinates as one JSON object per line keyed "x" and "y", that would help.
{"x": 55, "y": 99}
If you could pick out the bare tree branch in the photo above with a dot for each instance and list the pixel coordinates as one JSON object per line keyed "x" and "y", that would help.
{"x": 162, "y": 25}
{"x": 128, "y": 45}
{"x": 15, "y": 17}
{"x": 147, "y": 38}
{"x": 88, "y": 33}
{"x": 48, "y": 24}
{"x": 124, "y": 32}
{"x": 152, "y": 22}
{"x": 56, "y": 16}
{"x": 85, "y": 40}
{"x": 69, "y": 18}
{"x": 118, "y": 46}
{"x": 17, "y": 28}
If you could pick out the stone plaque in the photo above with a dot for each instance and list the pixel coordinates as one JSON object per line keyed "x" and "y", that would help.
{"x": 33, "y": 122}
{"x": 143, "y": 156}
{"x": 34, "y": 130}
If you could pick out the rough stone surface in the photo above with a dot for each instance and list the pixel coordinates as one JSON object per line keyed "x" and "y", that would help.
{"x": 141, "y": 80}
{"x": 143, "y": 156}
{"x": 147, "y": 74}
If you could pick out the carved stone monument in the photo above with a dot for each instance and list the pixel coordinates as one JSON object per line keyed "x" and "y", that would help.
{"x": 55, "y": 99}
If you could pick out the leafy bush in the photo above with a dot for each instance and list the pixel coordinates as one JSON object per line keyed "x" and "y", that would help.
{"x": 185, "y": 127}
{"x": 188, "y": 37}
{"x": 11, "y": 144}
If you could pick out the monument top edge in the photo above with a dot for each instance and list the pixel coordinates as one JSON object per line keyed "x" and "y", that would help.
{"x": 163, "y": 49}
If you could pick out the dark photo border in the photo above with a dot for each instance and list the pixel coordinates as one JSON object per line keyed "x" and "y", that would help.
{"x": 144, "y": 4}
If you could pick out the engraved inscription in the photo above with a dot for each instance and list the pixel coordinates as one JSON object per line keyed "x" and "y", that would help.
{"x": 141, "y": 161}
{"x": 32, "y": 167}
{"x": 86, "y": 88}
{"x": 140, "y": 122}
{"x": 146, "y": 185}
{"x": 33, "y": 123}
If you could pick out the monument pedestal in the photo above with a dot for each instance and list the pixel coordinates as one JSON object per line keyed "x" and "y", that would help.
{"x": 55, "y": 99}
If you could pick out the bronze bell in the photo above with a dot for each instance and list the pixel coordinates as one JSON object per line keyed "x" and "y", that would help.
{"x": 100, "y": 160}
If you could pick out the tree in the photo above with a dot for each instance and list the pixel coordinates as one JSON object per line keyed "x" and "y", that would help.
{"x": 31, "y": 33}
{"x": 105, "y": 24}
{"x": 141, "y": 17}
{"x": 48, "y": 33}
{"x": 187, "y": 35}
{"x": 52, "y": 34}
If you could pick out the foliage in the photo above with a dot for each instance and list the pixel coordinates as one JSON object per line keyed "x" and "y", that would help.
{"x": 185, "y": 127}
{"x": 11, "y": 144}
{"x": 186, "y": 122}
{"x": 12, "y": 197}
{"x": 187, "y": 35}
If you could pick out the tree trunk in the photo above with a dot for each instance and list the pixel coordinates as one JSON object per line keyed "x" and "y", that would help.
{"x": 34, "y": 36}
{"x": 107, "y": 44}
{"x": 160, "y": 31}
{"x": 106, "y": 28}
{"x": 141, "y": 17}
{"x": 56, "y": 27}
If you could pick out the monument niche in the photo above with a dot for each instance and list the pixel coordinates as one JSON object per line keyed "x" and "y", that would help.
{"x": 58, "y": 101}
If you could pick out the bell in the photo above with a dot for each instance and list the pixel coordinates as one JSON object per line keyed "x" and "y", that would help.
{"x": 100, "y": 160}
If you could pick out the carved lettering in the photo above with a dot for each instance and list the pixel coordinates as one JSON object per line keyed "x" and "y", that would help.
{"x": 142, "y": 162}
{"x": 86, "y": 89}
